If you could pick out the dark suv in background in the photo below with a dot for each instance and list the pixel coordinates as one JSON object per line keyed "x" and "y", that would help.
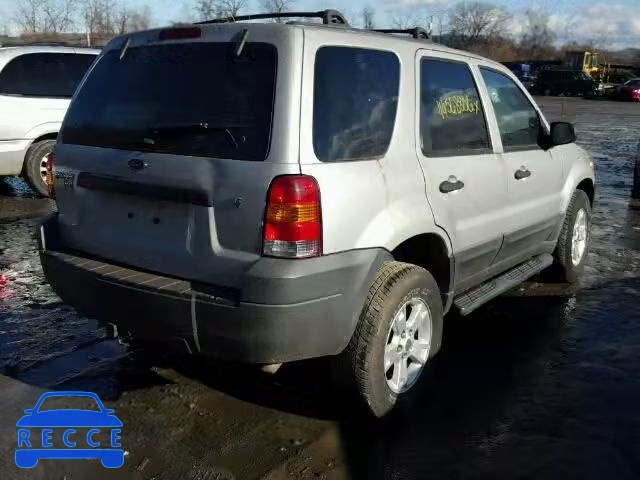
{"x": 564, "y": 82}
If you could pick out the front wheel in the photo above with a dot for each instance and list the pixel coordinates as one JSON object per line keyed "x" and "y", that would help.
{"x": 399, "y": 330}
{"x": 573, "y": 243}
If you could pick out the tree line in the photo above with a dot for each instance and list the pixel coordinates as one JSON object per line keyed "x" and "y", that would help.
{"x": 97, "y": 19}
{"x": 476, "y": 26}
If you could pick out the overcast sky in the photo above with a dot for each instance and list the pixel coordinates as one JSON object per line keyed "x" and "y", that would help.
{"x": 615, "y": 23}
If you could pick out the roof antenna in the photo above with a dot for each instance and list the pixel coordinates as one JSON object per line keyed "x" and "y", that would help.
{"x": 244, "y": 34}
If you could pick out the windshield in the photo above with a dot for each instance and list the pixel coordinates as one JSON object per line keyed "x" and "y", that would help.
{"x": 186, "y": 99}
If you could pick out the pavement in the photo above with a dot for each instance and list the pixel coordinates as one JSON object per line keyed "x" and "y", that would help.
{"x": 542, "y": 383}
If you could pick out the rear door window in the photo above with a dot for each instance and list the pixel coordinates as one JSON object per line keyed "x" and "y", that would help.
{"x": 452, "y": 120}
{"x": 355, "y": 103}
{"x": 53, "y": 75}
{"x": 185, "y": 99}
{"x": 518, "y": 120}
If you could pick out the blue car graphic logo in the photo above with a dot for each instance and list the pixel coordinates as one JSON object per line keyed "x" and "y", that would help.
{"x": 36, "y": 433}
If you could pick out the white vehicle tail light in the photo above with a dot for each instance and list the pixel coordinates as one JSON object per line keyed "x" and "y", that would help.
{"x": 50, "y": 170}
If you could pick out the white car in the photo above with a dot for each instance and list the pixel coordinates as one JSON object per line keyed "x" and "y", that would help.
{"x": 36, "y": 85}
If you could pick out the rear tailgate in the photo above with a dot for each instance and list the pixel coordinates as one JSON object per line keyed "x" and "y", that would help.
{"x": 168, "y": 150}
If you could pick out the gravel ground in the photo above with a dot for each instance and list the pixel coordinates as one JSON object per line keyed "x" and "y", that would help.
{"x": 541, "y": 383}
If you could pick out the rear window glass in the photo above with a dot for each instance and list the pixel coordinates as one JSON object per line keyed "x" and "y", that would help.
{"x": 53, "y": 75}
{"x": 355, "y": 103}
{"x": 184, "y": 99}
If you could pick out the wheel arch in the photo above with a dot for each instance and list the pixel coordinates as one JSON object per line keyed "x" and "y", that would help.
{"x": 44, "y": 136}
{"x": 588, "y": 187}
{"x": 430, "y": 251}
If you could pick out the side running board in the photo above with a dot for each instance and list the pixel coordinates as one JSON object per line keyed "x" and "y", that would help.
{"x": 468, "y": 301}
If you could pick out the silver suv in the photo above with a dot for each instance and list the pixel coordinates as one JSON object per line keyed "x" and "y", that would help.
{"x": 276, "y": 192}
{"x": 36, "y": 85}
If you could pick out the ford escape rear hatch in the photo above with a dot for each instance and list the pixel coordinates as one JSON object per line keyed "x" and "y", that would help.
{"x": 165, "y": 145}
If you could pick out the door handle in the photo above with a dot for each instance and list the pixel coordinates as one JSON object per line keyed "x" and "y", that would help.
{"x": 451, "y": 185}
{"x": 523, "y": 173}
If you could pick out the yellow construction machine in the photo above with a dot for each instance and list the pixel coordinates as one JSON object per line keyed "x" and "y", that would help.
{"x": 588, "y": 62}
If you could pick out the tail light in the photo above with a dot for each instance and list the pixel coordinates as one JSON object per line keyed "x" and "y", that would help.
{"x": 293, "y": 219}
{"x": 50, "y": 183}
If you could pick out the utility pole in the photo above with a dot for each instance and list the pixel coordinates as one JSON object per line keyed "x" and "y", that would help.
{"x": 439, "y": 17}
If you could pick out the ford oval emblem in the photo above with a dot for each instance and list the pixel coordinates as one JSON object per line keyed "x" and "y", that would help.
{"x": 137, "y": 164}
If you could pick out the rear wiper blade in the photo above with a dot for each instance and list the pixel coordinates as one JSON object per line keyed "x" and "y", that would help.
{"x": 193, "y": 127}
{"x": 186, "y": 128}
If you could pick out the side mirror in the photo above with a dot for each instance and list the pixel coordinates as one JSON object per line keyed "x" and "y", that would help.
{"x": 562, "y": 133}
{"x": 29, "y": 411}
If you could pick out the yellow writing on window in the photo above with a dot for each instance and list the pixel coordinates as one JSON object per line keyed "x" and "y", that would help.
{"x": 456, "y": 105}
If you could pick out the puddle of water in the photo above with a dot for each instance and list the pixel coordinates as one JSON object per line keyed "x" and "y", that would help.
{"x": 16, "y": 187}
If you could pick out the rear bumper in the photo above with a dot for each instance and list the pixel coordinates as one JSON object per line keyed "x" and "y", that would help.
{"x": 12, "y": 153}
{"x": 286, "y": 309}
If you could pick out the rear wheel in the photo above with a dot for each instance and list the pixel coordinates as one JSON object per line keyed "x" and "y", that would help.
{"x": 400, "y": 329}
{"x": 573, "y": 243}
{"x": 35, "y": 168}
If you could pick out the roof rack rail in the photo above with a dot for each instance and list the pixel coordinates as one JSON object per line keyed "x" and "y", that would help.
{"x": 416, "y": 32}
{"x": 329, "y": 17}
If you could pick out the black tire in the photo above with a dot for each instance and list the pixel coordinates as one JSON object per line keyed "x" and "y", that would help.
{"x": 33, "y": 165}
{"x": 563, "y": 268}
{"x": 395, "y": 284}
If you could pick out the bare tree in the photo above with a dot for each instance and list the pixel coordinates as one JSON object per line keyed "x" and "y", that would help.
{"x": 122, "y": 19}
{"x": 277, "y": 6}
{"x": 58, "y": 15}
{"x": 477, "y": 22}
{"x": 89, "y": 15}
{"x": 100, "y": 18}
{"x": 368, "y": 18}
{"x": 231, "y": 8}
{"x": 207, "y": 9}
{"x": 45, "y": 16}
{"x": 29, "y": 16}
{"x": 601, "y": 39}
{"x": 132, "y": 20}
{"x": 140, "y": 19}
{"x": 406, "y": 20}
{"x": 537, "y": 40}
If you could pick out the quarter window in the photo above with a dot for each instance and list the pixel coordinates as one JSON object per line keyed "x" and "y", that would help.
{"x": 518, "y": 121}
{"x": 452, "y": 120}
{"x": 355, "y": 103}
{"x": 54, "y": 75}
